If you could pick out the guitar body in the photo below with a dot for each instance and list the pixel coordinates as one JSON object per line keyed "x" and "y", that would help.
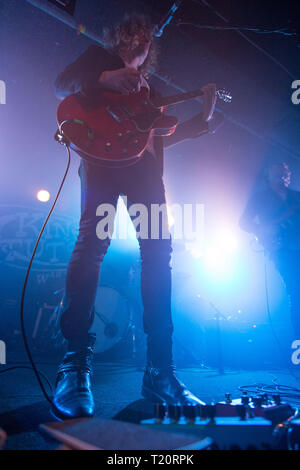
{"x": 114, "y": 128}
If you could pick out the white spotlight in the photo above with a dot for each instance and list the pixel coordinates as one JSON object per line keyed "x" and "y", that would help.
{"x": 43, "y": 195}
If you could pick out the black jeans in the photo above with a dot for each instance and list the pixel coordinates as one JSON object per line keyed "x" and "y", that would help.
{"x": 288, "y": 264}
{"x": 141, "y": 183}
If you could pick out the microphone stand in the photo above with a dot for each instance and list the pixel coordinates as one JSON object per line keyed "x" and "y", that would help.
{"x": 219, "y": 344}
{"x": 159, "y": 28}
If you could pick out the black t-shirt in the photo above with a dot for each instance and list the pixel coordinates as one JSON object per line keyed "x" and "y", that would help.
{"x": 276, "y": 221}
{"x": 268, "y": 206}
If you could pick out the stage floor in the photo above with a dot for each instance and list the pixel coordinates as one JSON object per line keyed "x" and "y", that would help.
{"x": 117, "y": 396}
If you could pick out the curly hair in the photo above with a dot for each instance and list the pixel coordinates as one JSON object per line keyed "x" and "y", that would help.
{"x": 128, "y": 39}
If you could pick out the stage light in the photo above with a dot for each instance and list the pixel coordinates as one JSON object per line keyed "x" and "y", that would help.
{"x": 226, "y": 240}
{"x": 194, "y": 250}
{"x": 123, "y": 226}
{"x": 43, "y": 195}
{"x": 220, "y": 251}
{"x": 171, "y": 219}
{"x": 216, "y": 260}
{"x": 217, "y": 252}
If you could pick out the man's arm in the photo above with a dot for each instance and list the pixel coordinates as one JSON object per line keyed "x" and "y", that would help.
{"x": 198, "y": 125}
{"x": 189, "y": 129}
{"x": 82, "y": 75}
{"x": 97, "y": 68}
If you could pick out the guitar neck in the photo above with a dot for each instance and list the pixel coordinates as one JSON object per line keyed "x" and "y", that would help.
{"x": 175, "y": 99}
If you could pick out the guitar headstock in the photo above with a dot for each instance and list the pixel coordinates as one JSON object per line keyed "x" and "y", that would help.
{"x": 224, "y": 95}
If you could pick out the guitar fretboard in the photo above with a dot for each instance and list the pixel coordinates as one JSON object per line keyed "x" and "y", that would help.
{"x": 179, "y": 98}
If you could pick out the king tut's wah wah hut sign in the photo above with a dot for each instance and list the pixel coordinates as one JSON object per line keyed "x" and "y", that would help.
{"x": 19, "y": 230}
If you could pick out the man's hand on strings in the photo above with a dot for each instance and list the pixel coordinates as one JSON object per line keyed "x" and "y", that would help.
{"x": 125, "y": 80}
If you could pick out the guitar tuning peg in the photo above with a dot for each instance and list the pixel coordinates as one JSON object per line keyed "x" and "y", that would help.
{"x": 227, "y": 96}
{"x": 224, "y": 95}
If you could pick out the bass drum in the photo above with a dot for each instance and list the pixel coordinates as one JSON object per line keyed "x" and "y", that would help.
{"x": 111, "y": 321}
{"x": 112, "y": 318}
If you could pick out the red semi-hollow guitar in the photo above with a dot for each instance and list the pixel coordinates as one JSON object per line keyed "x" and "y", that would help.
{"x": 115, "y": 128}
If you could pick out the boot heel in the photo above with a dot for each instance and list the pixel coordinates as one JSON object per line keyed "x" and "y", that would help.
{"x": 149, "y": 395}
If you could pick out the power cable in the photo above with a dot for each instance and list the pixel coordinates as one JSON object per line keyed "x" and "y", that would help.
{"x": 243, "y": 35}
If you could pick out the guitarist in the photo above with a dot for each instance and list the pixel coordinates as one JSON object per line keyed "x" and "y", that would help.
{"x": 273, "y": 215}
{"x": 121, "y": 67}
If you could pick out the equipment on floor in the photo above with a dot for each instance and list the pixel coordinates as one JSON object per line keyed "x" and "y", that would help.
{"x": 258, "y": 422}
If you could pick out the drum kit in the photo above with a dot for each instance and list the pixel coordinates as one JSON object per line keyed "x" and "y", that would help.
{"x": 116, "y": 313}
{"x": 113, "y": 320}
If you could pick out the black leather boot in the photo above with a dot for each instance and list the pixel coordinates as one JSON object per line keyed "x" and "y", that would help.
{"x": 162, "y": 385}
{"x": 73, "y": 396}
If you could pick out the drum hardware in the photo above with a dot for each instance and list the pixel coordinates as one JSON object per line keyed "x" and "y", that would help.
{"x": 42, "y": 309}
{"x": 113, "y": 320}
{"x": 219, "y": 343}
{"x": 111, "y": 329}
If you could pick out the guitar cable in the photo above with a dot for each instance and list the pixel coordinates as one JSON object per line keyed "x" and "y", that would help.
{"x": 59, "y": 137}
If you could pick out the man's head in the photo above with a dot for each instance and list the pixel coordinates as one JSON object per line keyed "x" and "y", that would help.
{"x": 132, "y": 40}
{"x": 279, "y": 174}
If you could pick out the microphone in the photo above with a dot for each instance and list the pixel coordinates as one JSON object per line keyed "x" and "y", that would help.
{"x": 159, "y": 28}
